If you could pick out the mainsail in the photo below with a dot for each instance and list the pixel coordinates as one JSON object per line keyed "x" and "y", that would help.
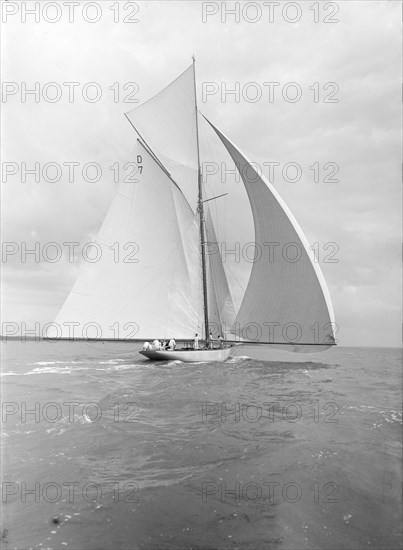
{"x": 155, "y": 283}
{"x": 285, "y": 301}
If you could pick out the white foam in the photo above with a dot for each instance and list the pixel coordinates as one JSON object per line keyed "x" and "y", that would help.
{"x": 44, "y": 363}
{"x": 237, "y": 358}
{"x": 50, "y": 370}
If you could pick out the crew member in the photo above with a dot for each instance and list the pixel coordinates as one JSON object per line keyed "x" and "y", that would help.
{"x": 172, "y": 344}
{"x": 156, "y": 345}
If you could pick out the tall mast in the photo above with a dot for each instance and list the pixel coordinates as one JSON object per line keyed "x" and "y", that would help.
{"x": 201, "y": 214}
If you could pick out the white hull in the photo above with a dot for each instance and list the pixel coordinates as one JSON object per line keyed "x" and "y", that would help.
{"x": 188, "y": 356}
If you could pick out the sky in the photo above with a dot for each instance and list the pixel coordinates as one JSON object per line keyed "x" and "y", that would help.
{"x": 347, "y": 70}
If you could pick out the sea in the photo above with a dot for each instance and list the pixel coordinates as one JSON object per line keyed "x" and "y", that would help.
{"x": 104, "y": 449}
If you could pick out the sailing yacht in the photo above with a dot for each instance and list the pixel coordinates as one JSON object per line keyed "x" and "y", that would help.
{"x": 178, "y": 284}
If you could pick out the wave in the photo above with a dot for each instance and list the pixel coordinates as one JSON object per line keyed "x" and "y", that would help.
{"x": 111, "y": 362}
{"x": 45, "y": 363}
{"x": 51, "y": 367}
{"x": 73, "y": 362}
{"x": 238, "y": 358}
{"x": 50, "y": 370}
{"x": 390, "y": 416}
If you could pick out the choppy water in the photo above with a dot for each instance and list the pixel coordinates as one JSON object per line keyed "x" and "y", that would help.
{"x": 276, "y": 451}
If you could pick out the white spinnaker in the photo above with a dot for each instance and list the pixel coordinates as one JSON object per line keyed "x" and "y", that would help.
{"x": 167, "y": 123}
{"x": 160, "y": 292}
{"x": 286, "y": 300}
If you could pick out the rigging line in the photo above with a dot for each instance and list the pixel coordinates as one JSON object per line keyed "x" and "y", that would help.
{"x": 149, "y": 151}
{"x": 145, "y": 145}
{"x": 217, "y": 197}
{"x": 148, "y": 147}
{"x": 214, "y": 185}
{"x": 215, "y": 129}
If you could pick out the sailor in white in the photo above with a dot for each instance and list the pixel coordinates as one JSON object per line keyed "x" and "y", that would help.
{"x": 172, "y": 344}
{"x": 156, "y": 345}
{"x": 146, "y": 346}
{"x": 196, "y": 342}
